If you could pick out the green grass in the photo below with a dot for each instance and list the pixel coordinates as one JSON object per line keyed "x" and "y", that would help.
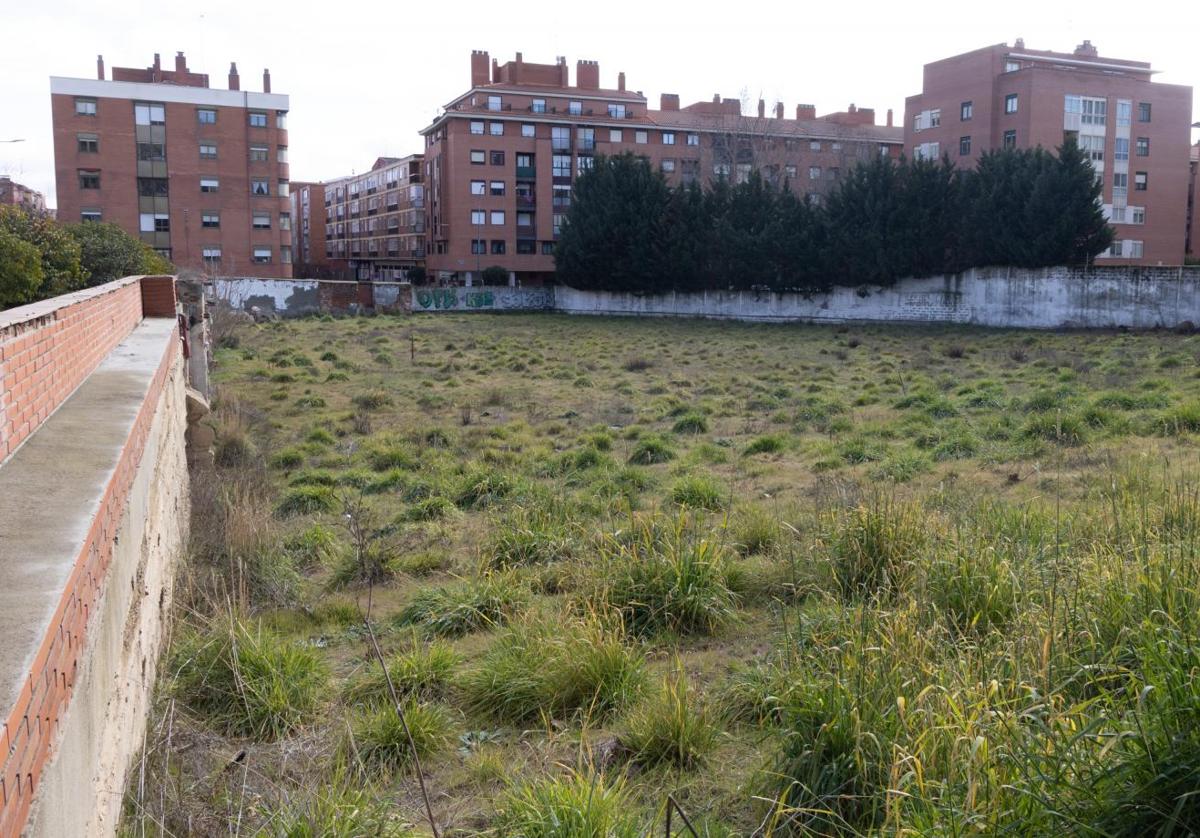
{"x": 810, "y": 579}
{"x": 380, "y": 745}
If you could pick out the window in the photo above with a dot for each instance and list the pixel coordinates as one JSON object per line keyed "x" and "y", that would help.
{"x": 497, "y": 158}
{"x": 1143, "y": 146}
{"x": 258, "y": 120}
{"x": 789, "y": 170}
{"x": 561, "y": 165}
{"x": 721, "y": 169}
{"x": 585, "y": 163}
{"x": 283, "y": 188}
{"x": 1012, "y": 66}
{"x": 285, "y": 254}
{"x": 927, "y": 151}
{"x": 210, "y": 219}
{"x": 884, "y": 151}
{"x": 526, "y": 246}
{"x": 1138, "y": 215}
{"x": 547, "y": 248}
{"x": 88, "y": 143}
{"x": 1010, "y": 139}
{"x": 478, "y": 247}
{"x": 814, "y": 172}
{"x": 496, "y": 129}
{"x": 965, "y": 111}
{"x": 147, "y": 114}
{"x": 85, "y": 107}
{"x": 668, "y": 166}
{"x": 478, "y": 217}
{"x": 478, "y": 157}
{"x": 528, "y": 130}
{"x": 281, "y": 120}
{"x": 1094, "y": 111}
{"x": 615, "y": 135}
{"x": 258, "y": 153}
{"x": 154, "y": 222}
{"x": 211, "y": 254}
{"x": 495, "y": 103}
{"x": 556, "y": 223}
{"x": 1010, "y": 103}
{"x": 641, "y": 137}
{"x": 477, "y": 128}
{"x": 575, "y": 108}
{"x": 616, "y": 111}
{"x": 1140, "y": 181}
{"x": 524, "y": 219}
{"x": 89, "y": 178}
{"x": 1121, "y": 148}
{"x": 262, "y": 255}
{"x": 258, "y": 186}
{"x": 561, "y": 198}
{"x": 498, "y": 246}
{"x": 935, "y": 117}
{"x": 1092, "y": 146}
{"x": 693, "y": 139}
{"x": 208, "y": 151}
{"x": 1124, "y": 112}
{"x": 587, "y": 138}
{"x": 964, "y": 146}
{"x": 1120, "y": 185}
{"x": 478, "y": 187}
{"x": 280, "y": 154}
{"x": 496, "y": 187}
{"x": 89, "y": 215}
{"x": 261, "y": 221}
{"x": 496, "y": 218}
{"x": 668, "y": 138}
{"x": 1143, "y": 111}
{"x": 524, "y": 161}
{"x": 1118, "y": 215}
{"x": 538, "y": 106}
{"x": 151, "y": 151}
{"x": 206, "y": 116}
{"x": 152, "y": 187}
{"x": 814, "y": 145}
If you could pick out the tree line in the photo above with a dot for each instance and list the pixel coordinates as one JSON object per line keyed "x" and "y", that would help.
{"x": 628, "y": 230}
{"x": 41, "y": 258}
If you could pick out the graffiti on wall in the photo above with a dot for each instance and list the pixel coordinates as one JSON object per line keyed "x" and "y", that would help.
{"x": 469, "y": 299}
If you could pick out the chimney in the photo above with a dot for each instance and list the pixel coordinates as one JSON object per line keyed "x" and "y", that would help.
{"x": 762, "y": 109}
{"x": 1086, "y": 50}
{"x": 180, "y": 63}
{"x": 806, "y": 111}
{"x": 563, "y": 80}
{"x": 520, "y": 58}
{"x": 479, "y": 68}
{"x": 235, "y": 83}
{"x": 266, "y": 81}
{"x": 1020, "y": 44}
{"x": 852, "y": 109}
{"x": 889, "y": 122}
{"x": 495, "y": 70}
{"x": 100, "y": 67}
{"x": 668, "y": 102}
{"x": 621, "y": 80}
{"x": 716, "y": 98}
{"x": 779, "y": 110}
{"x": 587, "y": 75}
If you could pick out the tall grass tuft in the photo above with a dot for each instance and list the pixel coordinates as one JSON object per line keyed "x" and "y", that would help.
{"x": 248, "y": 682}
{"x": 526, "y": 536}
{"x": 874, "y": 546}
{"x": 339, "y": 808}
{"x": 466, "y": 606}
{"x": 423, "y": 671}
{"x": 577, "y": 805}
{"x": 378, "y": 740}
{"x": 669, "y": 727}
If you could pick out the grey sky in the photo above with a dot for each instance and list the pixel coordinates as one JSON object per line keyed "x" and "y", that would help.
{"x": 365, "y": 76}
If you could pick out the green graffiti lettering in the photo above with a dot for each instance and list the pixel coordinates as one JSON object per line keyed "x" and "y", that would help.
{"x": 424, "y": 299}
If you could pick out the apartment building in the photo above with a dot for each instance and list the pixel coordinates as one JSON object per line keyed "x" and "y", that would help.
{"x": 199, "y": 174}
{"x": 501, "y": 159}
{"x": 1134, "y": 130}
{"x": 13, "y": 194}
{"x": 1193, "y": 207}
{"x": 308, "y": 230}
{"x": 374, "y": 223}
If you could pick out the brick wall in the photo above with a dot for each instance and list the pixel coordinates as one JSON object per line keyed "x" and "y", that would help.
{"x": 46, "y": 351}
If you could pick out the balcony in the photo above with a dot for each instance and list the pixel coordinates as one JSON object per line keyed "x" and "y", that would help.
{"x": 586, "y": 146}
{"x": 526, "y": 172}
{"x": 526, "y": 201}
{"x": 560, "y": 144}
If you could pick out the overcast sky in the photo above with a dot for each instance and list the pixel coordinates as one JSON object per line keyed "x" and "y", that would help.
{"x": 364, "y": 77}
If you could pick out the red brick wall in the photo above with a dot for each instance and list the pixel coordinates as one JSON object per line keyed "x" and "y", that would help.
{"x": 44, "y": 356}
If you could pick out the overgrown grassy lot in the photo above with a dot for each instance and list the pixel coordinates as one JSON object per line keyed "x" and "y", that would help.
{"x": 806, "y": 580}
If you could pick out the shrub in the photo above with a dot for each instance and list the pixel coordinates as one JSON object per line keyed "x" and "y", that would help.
{"x": 874, "y": 545}
{"x": 651, "y": 449}
{"x": 320, "y": 436}
{"x": 578, "y": 805}
{"x": 691, "y": 423}
{"x": 661, "y": 577}
{"x": 422, "y": 672}
{"x": 233, "y": 448}
{"x": 755, "y": 530}
{"x": 373, "y": 400}
{"x": 432, "y": 509}
{"x": 543, "y": 668}
{"x": 1184, "y": 418}
{"x": 464, "y": 607}
{"x": 288, "y": 458}
{"x": 1063, "y": 428}
{"x": 767, "y": 444}
{"x": 699, "y": 492}
{"x": 528, "y": 536}
{"x": 247, "y": 682}
{"x": 973, "y": 588}
{"x": 389, "y": 456}
{"x": 637, "y": 364}
{"x": 379, "y": 741}
{"x": 668, "y": 727}
{"x": 481, "y": 487}
{"x": 306, "y": 500}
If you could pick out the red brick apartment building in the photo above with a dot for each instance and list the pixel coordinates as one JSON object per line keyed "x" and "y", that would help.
{"x": 308, "y": 229}
{"x": 500, "y": 160}
{"x": 1193, "y": 239}
{"x": 199, "y": 174}
{"x": 13, "y": 194}
{"x": 1135, "y": 130}
{"x": 374, "y": 223}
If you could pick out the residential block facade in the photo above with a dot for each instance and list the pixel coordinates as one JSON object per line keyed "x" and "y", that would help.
{"x": 308, "y": 229}
{"x": 13, "y": 194}
{"x": 1134, "y": 130}
{"x": 374, "y": 223}
{"x": 199, "y": 174}
{"x": 1193, "y": 238}
{"x": 500, "y": 161}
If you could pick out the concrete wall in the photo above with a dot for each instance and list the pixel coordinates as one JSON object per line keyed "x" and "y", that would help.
{"x": 1108, "y": 297}
{"x": 499, "y": 298}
